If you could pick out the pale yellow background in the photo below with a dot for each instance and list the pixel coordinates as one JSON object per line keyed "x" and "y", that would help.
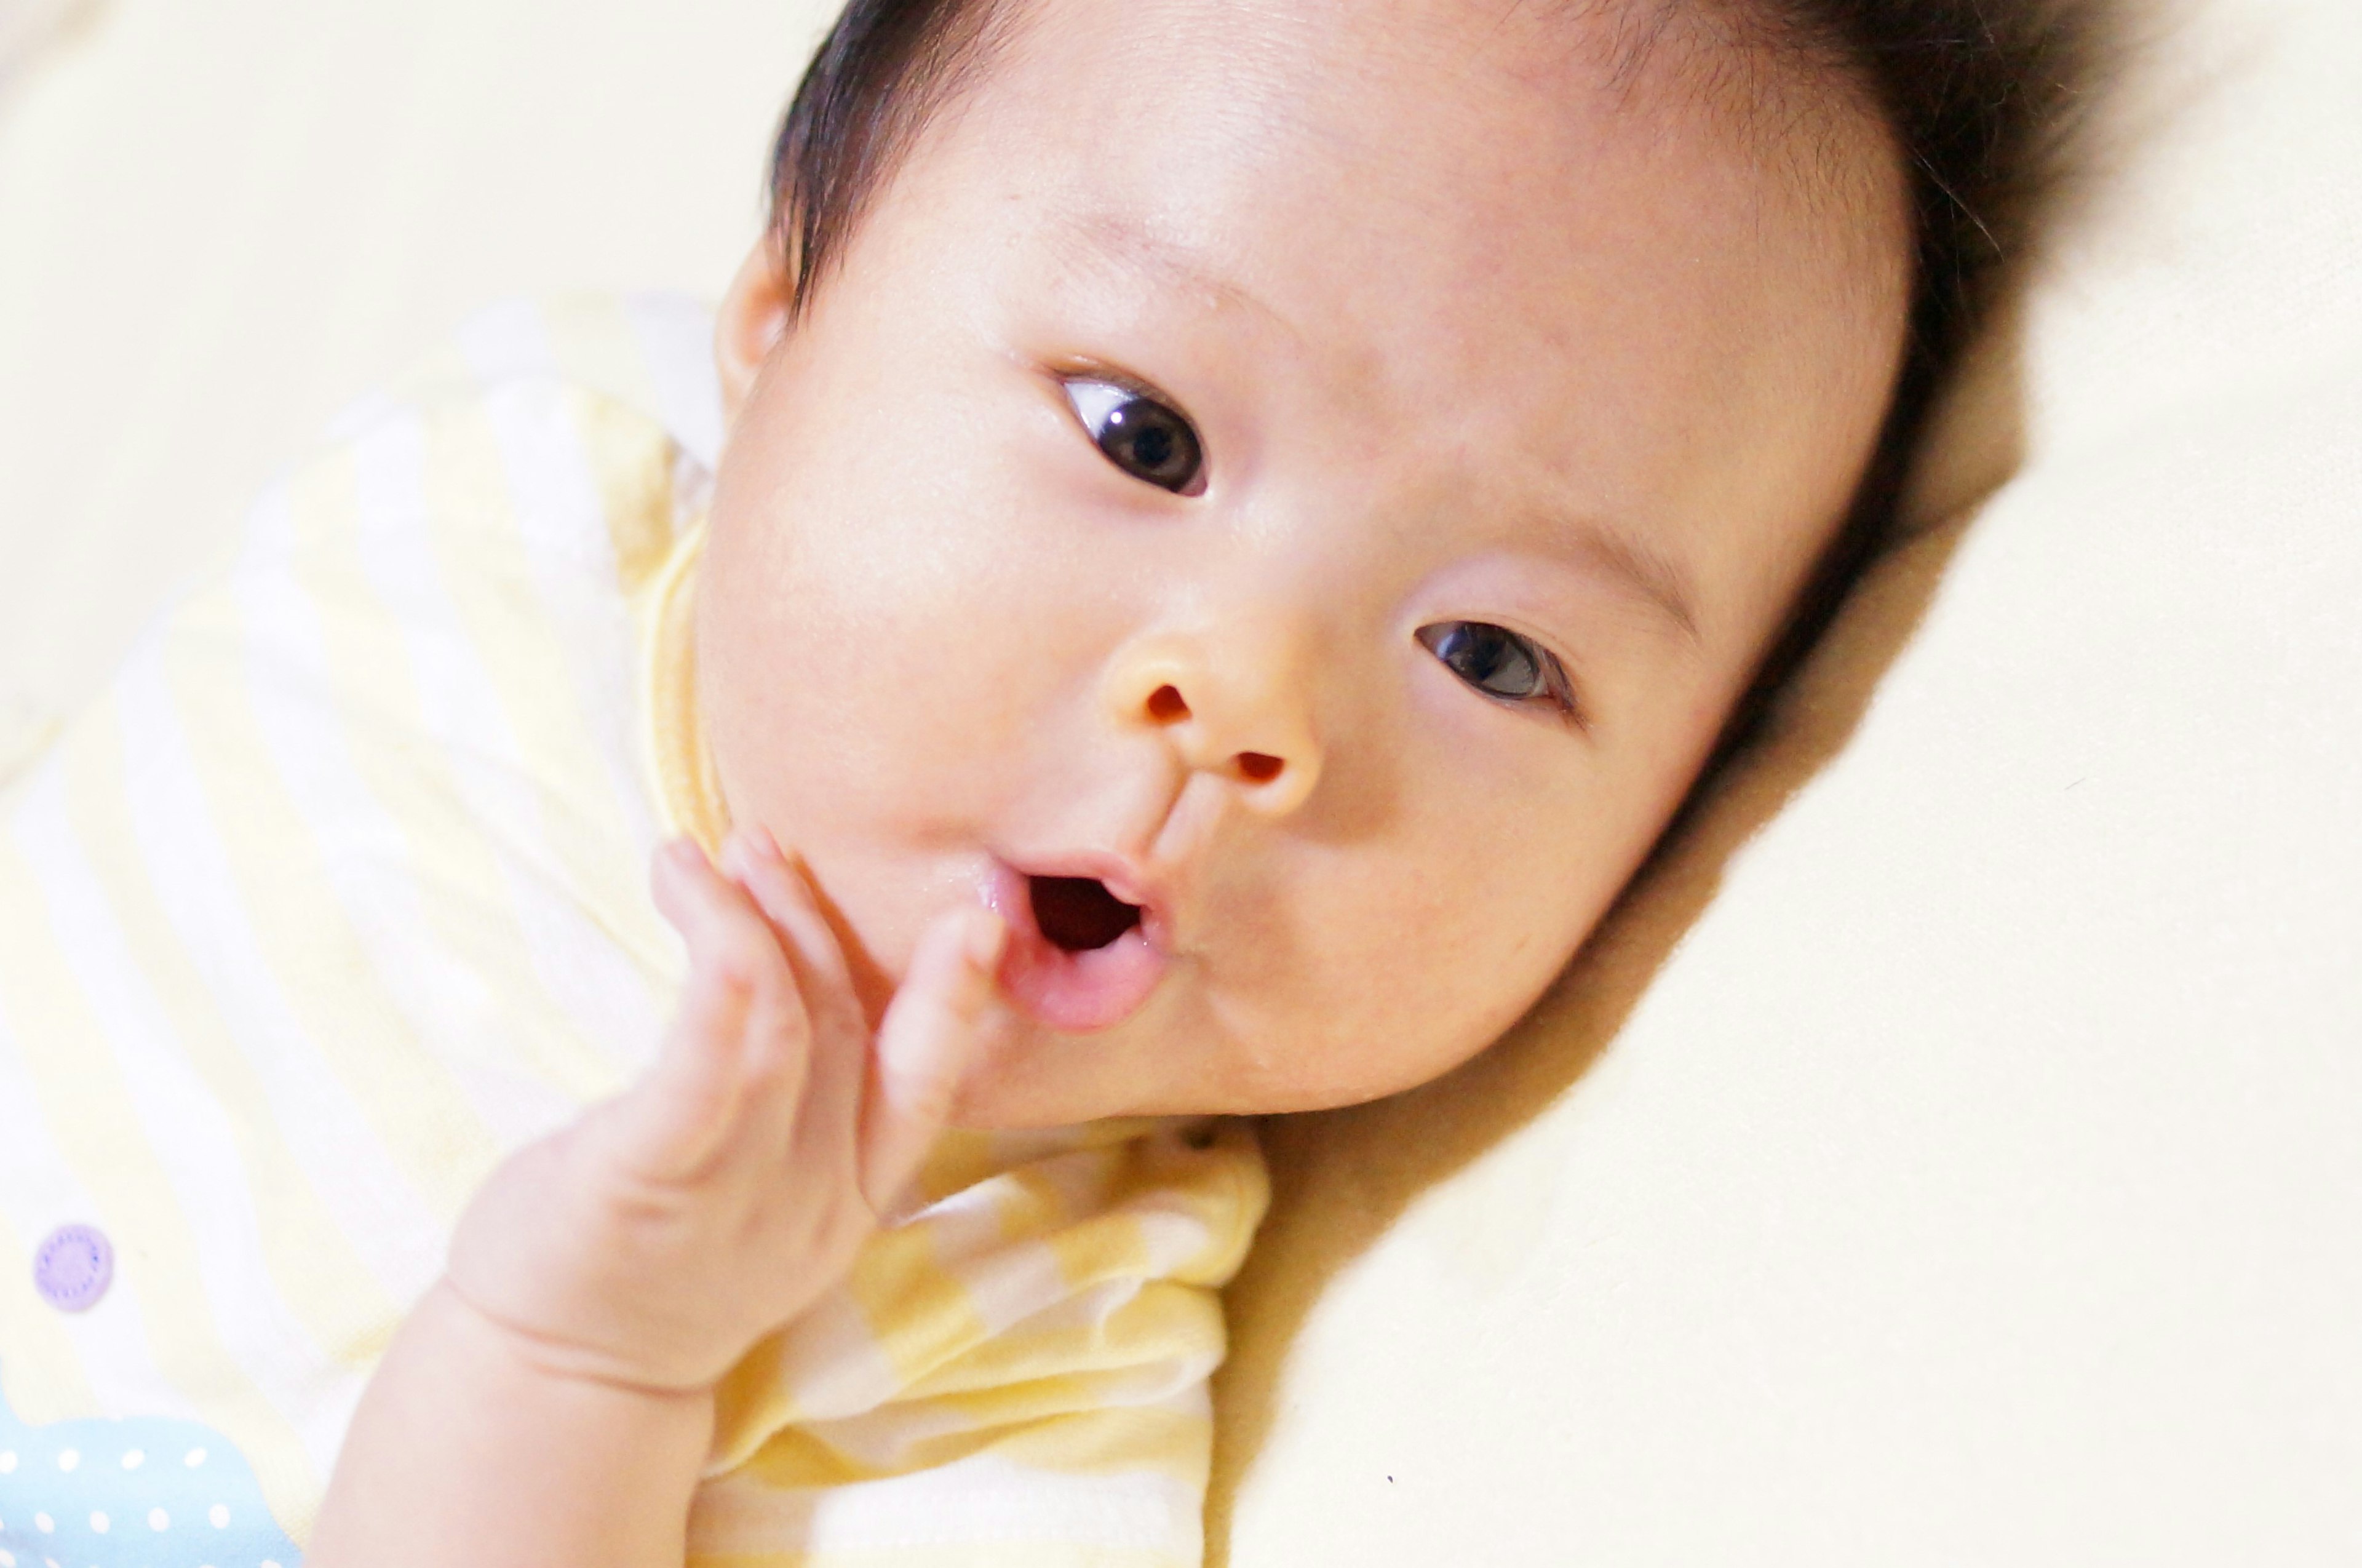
{"x": 1966, "y": 1169}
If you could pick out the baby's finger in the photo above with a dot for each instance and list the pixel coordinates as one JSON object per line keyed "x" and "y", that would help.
{"x": 732, "y": 1065}
{"x": 826, "y": 1138}
{"x": 784, "y": 893}
{"x": 931, "y": 1037}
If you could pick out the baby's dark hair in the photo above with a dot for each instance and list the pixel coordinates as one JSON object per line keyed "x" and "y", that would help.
{"x": 1979, "y": 97}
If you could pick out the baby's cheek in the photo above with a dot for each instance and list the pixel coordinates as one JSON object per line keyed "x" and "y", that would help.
{"x": 1421, "y": 965}
{"x": 826, "y": 674}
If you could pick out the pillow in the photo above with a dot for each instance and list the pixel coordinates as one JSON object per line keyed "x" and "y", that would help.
{"x": 25, "y": 27}
{"x": 1961, "y": 1159}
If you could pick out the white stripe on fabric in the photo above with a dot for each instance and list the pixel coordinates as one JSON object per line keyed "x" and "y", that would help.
{"x": 506, "y": 340}
{"x": 1005, "y": 1278}
{"x": 42, "y": 1194}
{"x": 893, "y": 1436}
{"x": 389, "y": 1218}
{"x": 297, "y": 707}
{"x": 572, "y": 544}
{"x": 563, "y": 528}
{"x": 358, "y": 415}
{"x": 969, "y": 1502}
{"x": 675, "y": 333}
{"x": 1080, "y": 1319}
{"x": 578, "y": 966}
{"x": 833, "y": 1363}
{"x": 182, "y": 1124}
{"x": 1007, "y": 1284}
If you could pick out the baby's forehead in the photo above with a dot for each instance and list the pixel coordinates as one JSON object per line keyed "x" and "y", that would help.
{"x": 1565, "y": 75}
{"x": 1439, "y": 202}
{"x": 1469, "y": 140}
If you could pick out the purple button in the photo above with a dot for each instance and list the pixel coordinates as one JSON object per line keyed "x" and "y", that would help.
{"x": 73, "y": 1267}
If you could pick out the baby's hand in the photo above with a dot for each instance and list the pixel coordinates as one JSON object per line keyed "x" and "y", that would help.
{"x": 652, "y": 1242}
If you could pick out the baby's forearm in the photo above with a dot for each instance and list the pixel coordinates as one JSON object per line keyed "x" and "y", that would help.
{"x": 466, "y": 1451}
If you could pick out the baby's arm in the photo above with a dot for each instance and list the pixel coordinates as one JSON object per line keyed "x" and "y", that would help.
{"x": 551, "y": 1399}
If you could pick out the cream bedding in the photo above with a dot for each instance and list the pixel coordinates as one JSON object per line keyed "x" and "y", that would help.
{"x": 1966, "y": 1166}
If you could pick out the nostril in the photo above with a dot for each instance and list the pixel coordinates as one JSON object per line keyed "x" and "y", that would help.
{"x": 1259, "y": 766}
{"x": 1167, "y": 705}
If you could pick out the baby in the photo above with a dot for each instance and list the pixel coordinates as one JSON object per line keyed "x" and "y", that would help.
{"x": 1240, "y": 525}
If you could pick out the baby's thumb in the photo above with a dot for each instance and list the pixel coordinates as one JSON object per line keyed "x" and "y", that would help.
{"x": 930, "y": 1038}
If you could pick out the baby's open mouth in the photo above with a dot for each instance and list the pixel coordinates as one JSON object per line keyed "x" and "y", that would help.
{"x": 1080, "y": 958}
{"x": 1077, "y": 913}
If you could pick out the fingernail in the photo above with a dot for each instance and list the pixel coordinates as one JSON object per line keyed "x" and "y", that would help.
{"x": 766, "y": 844}
{"x": 986, "y": 936}
{"x": 685, "y": 854}
{"x": 734, "y": 856}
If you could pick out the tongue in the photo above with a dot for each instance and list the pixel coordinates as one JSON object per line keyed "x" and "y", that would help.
{"x": 1078, "y": 912}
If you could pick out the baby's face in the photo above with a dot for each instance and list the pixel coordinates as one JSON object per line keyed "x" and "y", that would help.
{"x": 1324, "y": 473}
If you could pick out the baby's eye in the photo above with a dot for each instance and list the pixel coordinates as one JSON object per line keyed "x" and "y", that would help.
{"x": 1501, "y": 663}
{"x": 1139, "y": 434}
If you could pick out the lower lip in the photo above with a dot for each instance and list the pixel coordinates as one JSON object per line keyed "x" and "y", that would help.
{"x": 1098, "y": 987}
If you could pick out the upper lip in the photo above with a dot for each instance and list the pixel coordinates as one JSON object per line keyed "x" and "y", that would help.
{"x": 1123, "y": 877}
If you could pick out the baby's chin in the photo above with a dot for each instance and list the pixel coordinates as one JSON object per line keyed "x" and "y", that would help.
{"x": 1174, "y": 1057}
{"x": 1160, "y": 1061}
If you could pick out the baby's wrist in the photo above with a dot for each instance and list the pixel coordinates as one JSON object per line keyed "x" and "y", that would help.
{"x": 471, "y": 1433}
{"x": 537, "y": 1358}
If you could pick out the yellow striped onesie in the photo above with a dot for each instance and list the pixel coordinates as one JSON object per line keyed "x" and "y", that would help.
{"x": 339, "y": 894}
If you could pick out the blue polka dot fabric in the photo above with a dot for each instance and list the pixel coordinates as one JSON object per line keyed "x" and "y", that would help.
{"x": 130, "y": 1494}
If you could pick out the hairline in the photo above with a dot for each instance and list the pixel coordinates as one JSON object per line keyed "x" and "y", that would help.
{"x": 960, "y": 40}
{"x": 1748, "y": 63}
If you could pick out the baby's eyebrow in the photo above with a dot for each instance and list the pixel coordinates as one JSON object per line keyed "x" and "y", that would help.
{"x": 1651, "y": 576}
{"x": 1118, "y": 242}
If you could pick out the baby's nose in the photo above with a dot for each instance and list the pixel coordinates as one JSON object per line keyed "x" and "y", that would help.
{"x": 1234, "y": 704}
